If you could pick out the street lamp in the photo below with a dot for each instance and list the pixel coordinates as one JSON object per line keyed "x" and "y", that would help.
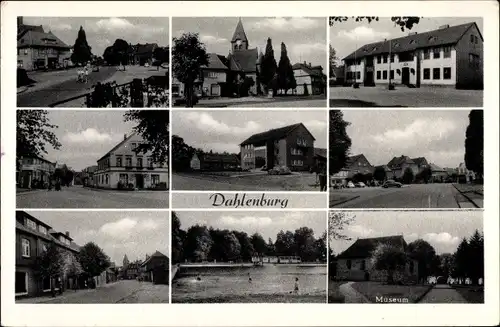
{"x": 355, "y": 85}
{"x": 390, "y": 86}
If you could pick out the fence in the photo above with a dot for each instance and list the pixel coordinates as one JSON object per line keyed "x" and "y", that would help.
{"x": 151, "y": 92}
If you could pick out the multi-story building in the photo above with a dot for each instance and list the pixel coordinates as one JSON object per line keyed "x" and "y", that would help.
{"x": 291, "y": 146}
{"x": 34, "y": 169}
{"x": 123, "y": 167}
{"x": 398, "y": 165}
{"x": 357, "y": 164}
{"x": 448, "y": 56}
{"x": 465, "y": 174}
{"x": 39, "y": 49}
{"x": 355, "y": 262}
{"x": 155, "y": 268}
{"x": 33, "y": 238}
{"x": 309, "y": 77}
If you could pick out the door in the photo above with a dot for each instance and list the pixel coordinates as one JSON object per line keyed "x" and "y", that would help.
{"x": 215, "y": 90}
{"x": 369, "y": 80}
{"x": 405, "y": 76}
{"x": 139, "y": 180}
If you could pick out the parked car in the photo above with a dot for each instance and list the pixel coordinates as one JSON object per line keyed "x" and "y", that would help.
{"x": 360, "y": 184}
{"x": 279, "y": 170}
{"x": 391, "y": 183}
{"x": 337, "y": 186}
{"x": 350, "y": 185}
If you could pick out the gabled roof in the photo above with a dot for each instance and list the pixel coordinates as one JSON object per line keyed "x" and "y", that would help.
{"x": 364, "y": 247}
{"x": 273, "y": 134}
{"x": 215, "y": 62}
{"x": 37, "y": 38}
{"x": 420, "y": 161}
{"x": 239, "y": 33}
{"x": 384, "y": 167}
{"x": 353, "y": 159}
{"x": 145, "y": 48}
{"x": 23, "y": 28}
{"x": 436, "y": 167}
{"x": 245, "y": 60}
{"x": 398, "y": 161}
{"x": 438, "y": 37}
{"x": 117, "y": 146}
{"x": 157, "y": 254}
{"x": 320, "y": 152}
{"x": 310, "y": 70}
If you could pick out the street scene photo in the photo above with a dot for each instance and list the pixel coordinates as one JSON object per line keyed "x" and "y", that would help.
{"x": 92, "y": 257}
{"x": 249, "y": 257}
{"x": 249, "y": 150}
{"x": 92, "y": 159}
{"x": 93, "y": 62}
{"x": 406, "y": 256}
{"x": 406, "y": 159}
{"x": 249, "y": 62}
{"x": 406, "y": 62}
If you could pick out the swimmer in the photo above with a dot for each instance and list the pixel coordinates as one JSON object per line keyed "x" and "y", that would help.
{"x": 249, "y": 278}
{"x": 198, "y": 278}
{"x": 296, "y": 287}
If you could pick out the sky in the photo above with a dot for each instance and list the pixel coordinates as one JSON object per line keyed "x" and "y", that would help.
{"x": 86, "y": 135}
{"x": 345, "y": 37}
{"x": 444, "y": 230}
{"x": 268, "y": 224}
{"x": 103, "y": 31}
{"x": 305, "y": 38}
{"x": 131, "y": 233}
{"x": 224, "y": 130}
{"x": 437, "y": 135}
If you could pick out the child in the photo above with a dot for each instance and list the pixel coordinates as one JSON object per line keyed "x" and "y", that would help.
{"x": 249, "y": 278}
{"x": 296, "y": 288}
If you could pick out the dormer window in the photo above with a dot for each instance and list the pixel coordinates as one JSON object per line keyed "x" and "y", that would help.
{"x": 432, "y": 39}
{"x": 412, "y": 41}
{"x": 42, "y": 229}
{"x": 396, "y": 45}
{"x": 30, "y": 224}
{"x": 374, "y": 49}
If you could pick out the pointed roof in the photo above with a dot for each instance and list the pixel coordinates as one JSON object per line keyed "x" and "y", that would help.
{"x": 118, "y": 145}
{"x": 273, "y": 134}
{"x": 364, "y": 247}
{"x": 239, "y": 33}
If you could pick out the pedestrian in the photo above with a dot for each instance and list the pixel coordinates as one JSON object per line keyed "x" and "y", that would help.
{"x": 322, "y": 178}
{"x": 86, "y": 71}
{"x": 249, "y": 278}
{"x": 296, "y": 286}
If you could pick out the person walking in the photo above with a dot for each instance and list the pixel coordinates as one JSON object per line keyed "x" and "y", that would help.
{"x": 322, "y": 178}
{"x": 296, "y": 286}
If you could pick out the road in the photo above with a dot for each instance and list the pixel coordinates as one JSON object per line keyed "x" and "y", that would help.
{"x": 409, "y": 196}
{"x": 123, "y": 291}
{"x": 79, "y": 197}
{"x": 404, "y": 97}
{"x": 296, "y": 182}
{"x": 443, "y": 294}
{"x": 56, "y": 92}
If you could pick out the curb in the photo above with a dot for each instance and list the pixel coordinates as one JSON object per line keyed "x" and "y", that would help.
{"x": 123, "y": 191}
{"x": 466, "y": 196}
{"x": 344, "y": 201}
{"x": 425, "y": 293}
{"x": 31, "y": 191}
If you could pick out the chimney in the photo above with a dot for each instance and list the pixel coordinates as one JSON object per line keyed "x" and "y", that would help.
{"x": 412, "y": 33}
{"x": 444, "y": 26}
{"x": 310, "y": 65}
{"x": 124, "y": 137}
{"x": 67, "y": 234}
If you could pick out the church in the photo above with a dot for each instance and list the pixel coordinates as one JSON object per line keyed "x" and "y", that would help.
{"x": 220, "y": 76}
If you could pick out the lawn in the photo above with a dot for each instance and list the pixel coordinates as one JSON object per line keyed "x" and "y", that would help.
{"x": 473, "y": 294}
{"x": 255, "y": 298}
{"x": 373, "y": 289}
{"x": 334, "y": 295}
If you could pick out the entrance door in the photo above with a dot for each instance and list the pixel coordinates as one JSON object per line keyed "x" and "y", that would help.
{"x": 405, "y": 76}
{"x": 215, "y": 90}
{"x": 139, "y": 180}
{"x": 369, "y": 80}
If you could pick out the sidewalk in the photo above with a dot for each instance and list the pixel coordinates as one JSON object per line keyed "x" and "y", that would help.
{"x": 472, "y": 192}
{"x": 351, "y": 295}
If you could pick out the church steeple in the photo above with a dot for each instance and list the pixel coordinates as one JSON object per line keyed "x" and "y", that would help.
{"x": 239, "y": 40}
{"x": 125, "y": 261}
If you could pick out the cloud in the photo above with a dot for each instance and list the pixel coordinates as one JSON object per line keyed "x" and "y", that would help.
{"x": 127, "y": 227}
{"x": 88, "y": 135}
{"x": 363, "y": 33}
{"x": 443, "y": 238}
{"x": 205, "y": 122}
{"x": 287, "y": 24}
{"x": 114, "y": 23}
{"x": 420, "y": 129}
{"x": 61, "y": 27}
{"x": 315, "y": 124}
{"x": 360, "y": 231}
{"x": 301, "y": 49}
{"x": 246, "y": 221}
{"x": 210, "y": 39}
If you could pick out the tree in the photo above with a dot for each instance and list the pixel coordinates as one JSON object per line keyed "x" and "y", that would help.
{"x": 425, "y": 175}
{"x": 305, "y": 243}
{"x": 246, "y": 246}
{"x": 64, "y": 175}
{"x": 286, "y": 78}
{"x": 181, "y": 154}
{"x": 379, "y": 174}
{"x": 337, "y": 221}
{"x": 271, "y": 250}
{"x": 82, "y": 52}
{"x": 474, "y": 142}
{"x": 198, "y": 243}
{"x": 258, "y": 243}
{"x": 340, "y": 142}
{"x": 390, "y": 258}
{"x": 285, "y": 243}
{"x": 50, "y": 264}
{"x": 425, "y": 254}
{"x": 401, "y": 22}
{"x": 34, "y": 132}
{"x": 320, "y": 248}
{"x": 178, "y": 236}
{"x": 446, "y": 266}
{"x": 476, "y": 257}
{"x": 408, "y": 176}
{"x": 93, "y": 259}
{"x": 71, "y": 266}
{"x": 231, "y": 246}
{"x": 153, "y": 127}
{"x": 189, "y": 55}
{"x": 268, "y": 67}
{"x": 333, "y": 60}
{"x": 161, "y": 55}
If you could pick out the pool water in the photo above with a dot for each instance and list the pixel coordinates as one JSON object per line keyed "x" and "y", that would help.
{"x": 268, "y": 279}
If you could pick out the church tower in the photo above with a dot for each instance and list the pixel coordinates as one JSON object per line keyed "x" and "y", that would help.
{"x": 239, "y": 40}
{"x": 125, "y": 261}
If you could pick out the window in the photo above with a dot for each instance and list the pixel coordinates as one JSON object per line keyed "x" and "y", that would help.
{"x": 118, "y": 161}
{"x": 412, "y": 41}
{"x": 427, "y": 73}
{"x": 432, "y": 39}
{"x": 474, "y": 61}
{"x": 133, "y": 145}
{"x": 427, "y": 54}
{"x": 358, "y": 75}
{"x": 155, "y": 179}
{"x": 471, "y": 38}
{"x": 124, "y": 178}
{"x": 107, "y": 179}
{"x": 391, "y": 74}
{"x": 139, "y": 162}
{"x": 447, "y": 52}
{"x": 44, "y": 247}
{"x": 436, "y": 53}
{"x": 21, "y": 283}
{"x": 30, "y": 223}
{"x": 128, "y": 161}
{"x": 379, "y": 59}
{"x": 436, "y": 73}
{"x": 396, "y": 45}
{"x": 150, "y": 163}
{"x": 42, "y": 229}
{"x": 392, "y": 57}
{"x": 378, "y": 74}
{"x": 26, "y": 248}
{"x": 385, "y": 59}
{"x": 476, "y": 39}
{"x": 446, "y": 73}
{"x": 348, "y": 264}
{"x": 384, "y": 74}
